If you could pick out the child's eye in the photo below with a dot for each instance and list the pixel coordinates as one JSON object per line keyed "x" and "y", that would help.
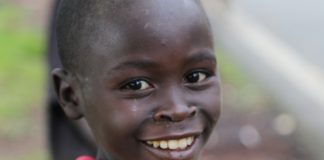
{"x": 197, "y": 76}
{"x": 138, "y": 84}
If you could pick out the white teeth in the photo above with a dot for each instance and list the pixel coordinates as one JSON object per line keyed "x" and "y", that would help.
{"x": 182, "y": 143}
{"x": 189, "y": 140}
{"x": 172, "y": 144}
{"x": 156, "y": 144}
{"x": 164, "y": 144}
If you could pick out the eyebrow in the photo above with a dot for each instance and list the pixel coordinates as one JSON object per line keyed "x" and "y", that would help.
{"x": 201, "y": 56}
{"x": 144, "y": 63}
{"x": 140, "y": 63}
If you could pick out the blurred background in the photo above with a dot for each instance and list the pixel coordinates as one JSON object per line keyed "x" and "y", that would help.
{"x": 270, "y": 54}
{"x": 23, "y": 27}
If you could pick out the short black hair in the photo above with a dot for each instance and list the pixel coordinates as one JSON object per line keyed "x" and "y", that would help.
{"x": 80, "y": 24}
{"x": 77, "y": 27}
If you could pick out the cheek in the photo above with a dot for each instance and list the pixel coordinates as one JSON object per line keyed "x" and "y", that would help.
{"x": 216, "y": 102}
{"x": 117, "y": 120}
{"x": 211, "y": 103}
{"x": 115, "y": 125}
{"x": 216, "y": 95}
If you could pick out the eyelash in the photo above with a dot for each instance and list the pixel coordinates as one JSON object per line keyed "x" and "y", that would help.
{"x": 141, "y": 84}
{"x": 196, "y": 76}
{"x": 136, "y": 85}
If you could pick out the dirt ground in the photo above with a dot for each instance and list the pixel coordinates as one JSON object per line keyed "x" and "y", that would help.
{"x": 30, "y": 145}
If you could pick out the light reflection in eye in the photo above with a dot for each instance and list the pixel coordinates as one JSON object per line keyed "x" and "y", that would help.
{"x": 137, "y": 85}
{"x": 195, "y": 77}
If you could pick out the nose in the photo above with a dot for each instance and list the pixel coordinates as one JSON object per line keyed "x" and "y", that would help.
{"x": 176, "y": 113}
{"x": 174, "y": 109}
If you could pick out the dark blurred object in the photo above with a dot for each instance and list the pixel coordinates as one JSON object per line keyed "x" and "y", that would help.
{"x": 66, "y": 138}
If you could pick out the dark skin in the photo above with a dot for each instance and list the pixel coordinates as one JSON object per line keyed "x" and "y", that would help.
{"x": 158, "y": 83}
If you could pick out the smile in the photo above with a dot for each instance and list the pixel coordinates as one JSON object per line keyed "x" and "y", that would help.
{"x": 180, "y": 146}
{"x": 172, "y": 144}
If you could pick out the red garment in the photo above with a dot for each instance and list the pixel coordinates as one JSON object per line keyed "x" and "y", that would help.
{"x": 85, "y": 158}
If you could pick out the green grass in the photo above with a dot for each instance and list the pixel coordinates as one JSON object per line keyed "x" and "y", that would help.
{"x": 21, "y": 71}
{"x": 35, "y": 155}
{"x": 231, "y": 72}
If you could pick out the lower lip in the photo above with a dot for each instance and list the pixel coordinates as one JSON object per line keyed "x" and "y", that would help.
{"x": 187, "y": 153}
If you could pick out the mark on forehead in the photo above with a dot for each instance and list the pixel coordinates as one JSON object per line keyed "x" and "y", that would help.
{"x": 163, "y": 42}
{"x": 147, "y": 25}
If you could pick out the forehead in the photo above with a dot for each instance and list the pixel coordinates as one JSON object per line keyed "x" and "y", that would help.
{"x": 151, "y": 25}
{"x": 166, "y": 22}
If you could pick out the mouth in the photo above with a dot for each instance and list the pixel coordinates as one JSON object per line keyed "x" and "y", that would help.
{"x": 172, "y": 144}
{"x": 175, "y": 148}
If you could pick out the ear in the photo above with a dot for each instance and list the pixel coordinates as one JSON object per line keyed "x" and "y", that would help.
{"x": 67, "y": 92}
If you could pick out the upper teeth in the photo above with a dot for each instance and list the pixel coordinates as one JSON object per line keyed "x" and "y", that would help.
{"x": 172, "y": 144}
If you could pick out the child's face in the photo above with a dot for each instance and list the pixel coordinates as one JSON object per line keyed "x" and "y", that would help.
{"x": 158, "y": 95}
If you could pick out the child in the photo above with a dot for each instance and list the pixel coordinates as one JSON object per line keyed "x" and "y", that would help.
{"x": 142, "y": 73}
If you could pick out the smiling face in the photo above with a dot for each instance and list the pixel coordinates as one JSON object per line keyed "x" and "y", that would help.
{"x": 156, "y": 94}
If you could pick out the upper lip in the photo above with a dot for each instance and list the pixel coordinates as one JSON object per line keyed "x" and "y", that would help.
{"x": 171, "y": 136}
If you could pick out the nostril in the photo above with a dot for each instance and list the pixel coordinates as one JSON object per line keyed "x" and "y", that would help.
{"x": 162, "y": 117}
{"x": 193, "y": 111}
{"x": 165, "y": 118}
{"x": 174, "y": 115}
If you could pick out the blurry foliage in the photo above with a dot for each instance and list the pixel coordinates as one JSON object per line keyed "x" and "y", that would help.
{"x": 239, "y": 90}
{"x": 21, "y": 70}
